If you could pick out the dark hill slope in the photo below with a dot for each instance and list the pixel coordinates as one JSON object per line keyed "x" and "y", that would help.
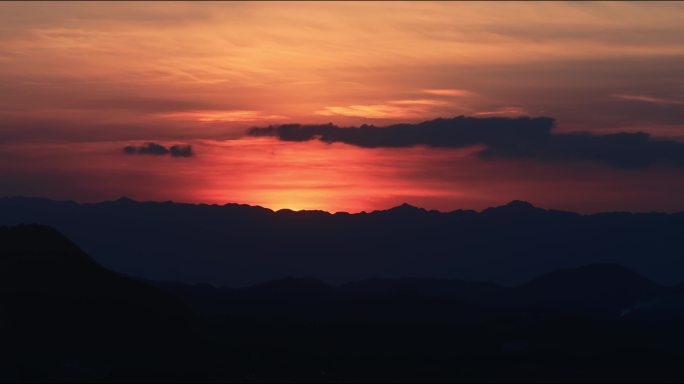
{"x": 597, "y": 290}
{"x": 63, "y": 316}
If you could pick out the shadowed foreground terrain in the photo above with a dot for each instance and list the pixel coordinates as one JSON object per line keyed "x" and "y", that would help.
{"x": 63, "y": 317}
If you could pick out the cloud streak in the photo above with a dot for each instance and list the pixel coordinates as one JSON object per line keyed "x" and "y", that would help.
{"x": 155, "y": 149}
{"x": 447, "y": 92}
{"x": 500, "y": 137}
{"x": 650, "y": 99}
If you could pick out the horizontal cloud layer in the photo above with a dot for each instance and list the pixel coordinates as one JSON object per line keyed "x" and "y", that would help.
{"x": 160, "y": 150}
{"x": 523, "y": 137}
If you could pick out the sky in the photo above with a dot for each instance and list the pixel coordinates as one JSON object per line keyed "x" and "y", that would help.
{"x": 85, "y": 87}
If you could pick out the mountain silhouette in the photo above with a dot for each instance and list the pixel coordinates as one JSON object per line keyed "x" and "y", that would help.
{"x": 59, "y": 309}
{"x": 570, "y": 323}
{"x": 598, "y": 289}
{"x": 63, "y": 317}
{"x": 514, "y": 207}
{"x": 454, "y": 288}
{"x": 241, "y": 245}
{"x": 402, "y": 210}
{"x": 290, "y": 287}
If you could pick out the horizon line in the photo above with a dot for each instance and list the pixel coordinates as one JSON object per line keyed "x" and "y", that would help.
{"x": 403, "y": 205}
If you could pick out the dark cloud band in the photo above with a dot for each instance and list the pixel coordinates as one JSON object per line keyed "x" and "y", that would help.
{"x": 523, "y": 137}
{"x": 160, "y": 150}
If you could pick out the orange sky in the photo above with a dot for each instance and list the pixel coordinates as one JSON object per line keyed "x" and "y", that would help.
{"x": 81, "y": 80}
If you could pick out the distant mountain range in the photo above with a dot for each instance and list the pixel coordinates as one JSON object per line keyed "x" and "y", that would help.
{"x": 240, "y": 245}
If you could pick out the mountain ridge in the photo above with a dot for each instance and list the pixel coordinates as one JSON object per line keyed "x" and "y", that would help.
{"x": 240, "y": 245}
{"x": 514, "y": 205}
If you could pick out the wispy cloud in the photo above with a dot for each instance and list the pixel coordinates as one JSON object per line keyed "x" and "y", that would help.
{"x": 649, "y": 99}
{"x": 393, "y": 109}
{"x": 419, "y": 102}
{"x": 211, "y": 116}
{"x": 447, "y": 92}
{"x": 505, "y": 111}
{"x": 373, "y": 111}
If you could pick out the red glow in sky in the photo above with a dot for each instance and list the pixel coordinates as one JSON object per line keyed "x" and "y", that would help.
{"x": 82, "y": 80}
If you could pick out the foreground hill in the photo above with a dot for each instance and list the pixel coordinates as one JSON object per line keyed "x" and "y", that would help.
{"x": 593, "y": 323}
{"x": 64, "y": 316}
{"x": 599, "y": 289}
{"x": 239, "y": 245}
{"x": 598, "y": 292}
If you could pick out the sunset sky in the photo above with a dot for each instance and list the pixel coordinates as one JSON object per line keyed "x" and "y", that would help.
{"x": 82, "y": 81}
